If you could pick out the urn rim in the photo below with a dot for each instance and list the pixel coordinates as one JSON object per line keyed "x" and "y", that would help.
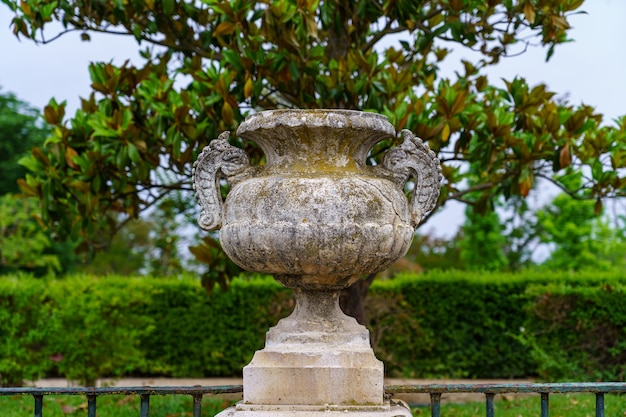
{"x": 325, "y": 118}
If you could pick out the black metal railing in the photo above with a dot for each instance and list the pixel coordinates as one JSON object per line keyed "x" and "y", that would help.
{"x": 144, "y": 393}
{"x": 490, "y": 391}
{"x": 434, "y": 390}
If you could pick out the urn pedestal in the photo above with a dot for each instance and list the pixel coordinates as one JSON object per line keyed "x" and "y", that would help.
{"x": 317, "y": 217}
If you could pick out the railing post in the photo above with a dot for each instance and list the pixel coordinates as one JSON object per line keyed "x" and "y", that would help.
{"x": 545, "y": 404}
{"x": 197, "y": 406}
{"x": 600, "y": 404}
{"x": 144, "y": 408}
{"x": 38, "y": 405}
{"x": 91, "y": 405}
{"x": 435, "y": 404}
{"x": 490, "y": 409}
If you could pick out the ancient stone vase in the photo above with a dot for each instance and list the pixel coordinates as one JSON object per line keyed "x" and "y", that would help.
{"x": 317, "y": 217}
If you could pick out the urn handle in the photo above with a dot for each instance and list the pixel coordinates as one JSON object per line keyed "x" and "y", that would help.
{"x": 218, "y": 160}
{"x": 414, "y": 160}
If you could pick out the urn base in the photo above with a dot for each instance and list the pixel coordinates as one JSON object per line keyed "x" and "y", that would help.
{"x": 390, "y": 409}
{"x": 314, "y": 378}
{"x": 315, "y": 358}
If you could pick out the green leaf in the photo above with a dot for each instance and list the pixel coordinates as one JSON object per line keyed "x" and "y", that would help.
{"x": 596, "y": 169}
{"x": 233, "y": 58}
{"x": 168, "y": 7}
{"x": 133, "y": 153}
{"x": 31, "y": 163}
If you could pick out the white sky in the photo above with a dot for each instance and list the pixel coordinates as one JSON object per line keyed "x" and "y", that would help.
{"x": 591, "y": 70}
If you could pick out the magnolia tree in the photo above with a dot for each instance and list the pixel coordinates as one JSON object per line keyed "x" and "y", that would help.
{"x": 209, "y": 63}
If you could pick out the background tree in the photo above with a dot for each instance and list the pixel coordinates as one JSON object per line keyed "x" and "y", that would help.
{"x": 145, "y": 246}
{"x": 24, "y": 243}
{"x": 580, "y": 237}
{"x": 483, "y": 241}
{"x": 208, "y": 64}
{"x": 21, "y": 129}
{"x": 430, "y": 252}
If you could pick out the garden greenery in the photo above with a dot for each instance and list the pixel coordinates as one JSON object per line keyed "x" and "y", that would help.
{"x": 553, "y": 326}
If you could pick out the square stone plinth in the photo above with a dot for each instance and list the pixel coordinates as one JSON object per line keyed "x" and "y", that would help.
{"x": 314, "y": 378}
{"x": 387, "y": 410}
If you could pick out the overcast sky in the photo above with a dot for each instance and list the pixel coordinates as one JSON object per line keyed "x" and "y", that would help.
{"x": 591, "y": 70}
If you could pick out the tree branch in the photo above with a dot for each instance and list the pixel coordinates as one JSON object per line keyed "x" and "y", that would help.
{"x": 571, "y": 193}
{"x": 478, "y": 187}
{"x": 381, "y": 34}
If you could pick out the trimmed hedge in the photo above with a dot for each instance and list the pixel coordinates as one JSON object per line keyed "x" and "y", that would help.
{"x": 555, "y": 326}
{"x": 445, "y": 324}
{"x": 196, "y": 335}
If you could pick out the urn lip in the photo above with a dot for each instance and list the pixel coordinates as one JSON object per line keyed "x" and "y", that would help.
{"x": 312, "y": 118}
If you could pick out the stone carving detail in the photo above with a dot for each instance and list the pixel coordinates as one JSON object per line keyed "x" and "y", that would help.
{"x": 218, "y": 160}
{"x": 414, "y": 160}
{"x": 317, "y": 218}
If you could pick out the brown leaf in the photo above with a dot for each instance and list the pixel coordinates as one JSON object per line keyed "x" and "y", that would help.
{"x": 481, "y": 83}
{"x": 227, "y": 114}
{"x": 248, "y": 88}
{"x": 70, "y": 153}
{"x": 597, "y": 208}
{"x": 529, "y": 12}
{"x": 560, "y": 22}
{"x": 224, "y": 28}
{"x": 26, "y": 188}
{"x": 565, "y": 157}
{"x": 445, "y": 133}
{"x": 456, "y": 5}
{"x": 50, "y": 115}
{"x": 311, "y": 26}
{"x": 40, "y": 156}
{"x": 459, "y": 103}
{"x": 141, "y": 145}
{"x": 525, "y": 186}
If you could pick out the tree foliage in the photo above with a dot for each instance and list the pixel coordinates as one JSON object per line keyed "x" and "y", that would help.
{"x": 209, "y": 63}
{"x": 21, "y": 129}
{"x": 145, "y": 246}
{"x": 483, "y": 242}
{"x": 580, "y": 237}
{"x": 569, "y": 233}
{"x": 24, "y": 243}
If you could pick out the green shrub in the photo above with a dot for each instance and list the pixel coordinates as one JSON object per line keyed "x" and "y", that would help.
{"x": 24, "y": 311}
{"x": 94, "y": 331}
{"x": 196, "y": 335}
{"x": 577, "y": 332}
{"x": 444, "y": 324}
{"x": 554, "y": 325}
{"x": 459, "y": 325}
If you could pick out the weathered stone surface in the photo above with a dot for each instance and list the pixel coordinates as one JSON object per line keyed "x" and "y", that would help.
{"x": 315, "y": 141}
{"x": 316, "y": 211}
{"x": 314, "y": 377}
{"x": 317, "y": 217}
{"x": 243, "y": 410}
{"x": 318, "y": 227}
{"x": 316, "y": 356}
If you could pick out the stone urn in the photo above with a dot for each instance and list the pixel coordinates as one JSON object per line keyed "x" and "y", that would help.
{"x": 317, "y": 217}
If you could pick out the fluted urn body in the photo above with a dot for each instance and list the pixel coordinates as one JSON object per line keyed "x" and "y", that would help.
{"x": 316, "y": 215}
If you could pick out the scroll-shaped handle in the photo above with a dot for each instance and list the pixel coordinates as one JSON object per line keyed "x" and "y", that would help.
{"x": 414, "y": 160}
{"x": 218, "y": 160}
